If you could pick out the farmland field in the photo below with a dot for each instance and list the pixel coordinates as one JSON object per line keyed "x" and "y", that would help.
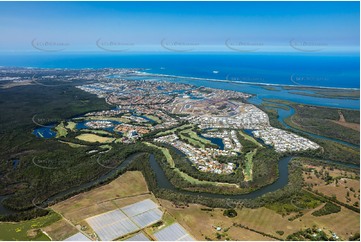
{"x": 27, "y": 230}
{"x": 261, "y": 219}
{"x": 60, "y": 230}
{"x": 99, "y": 200}
{"x": 343, "y": 185}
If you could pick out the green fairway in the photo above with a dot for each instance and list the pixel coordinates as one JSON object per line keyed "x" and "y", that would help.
{"x": 248, "y": 174}
{"x": 71, "y": 126}
{"x": 172, "y": 131}
{"x": 250, "y": 138}
{"x": 193, "y": 180}
{"x": 193, "y": 138}
{"x": 61, "y": 131}
{"x": 19, "y": 230}
{"x": 165, "y": 152}
{"x": 154, "y": 118}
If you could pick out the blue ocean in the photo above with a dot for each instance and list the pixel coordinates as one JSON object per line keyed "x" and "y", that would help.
{"x": 286, "y": 69}
{"x": 297, "y": 69}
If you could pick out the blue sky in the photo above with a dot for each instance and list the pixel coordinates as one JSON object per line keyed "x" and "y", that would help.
{"x": 179, "y": 26}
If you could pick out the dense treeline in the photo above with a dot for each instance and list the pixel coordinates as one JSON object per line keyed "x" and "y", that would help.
{"x": 24, "y": 215}
{"x": 48, "y": 173}
{"x": 265, "y": 167}
{"x": 247, "y": 145}
{"x": 330, "y": 150}
{"x": 328, "y": 208}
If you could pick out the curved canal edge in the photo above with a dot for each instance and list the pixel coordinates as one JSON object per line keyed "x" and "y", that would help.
{"x": 163, "y": 182}
{"x": 284, "y": 114}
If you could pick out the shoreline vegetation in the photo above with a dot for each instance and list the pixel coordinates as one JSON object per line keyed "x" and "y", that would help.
{"x": 336, "y": 123}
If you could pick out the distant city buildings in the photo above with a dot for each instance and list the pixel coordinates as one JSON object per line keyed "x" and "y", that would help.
{"x": 222, "y": 111}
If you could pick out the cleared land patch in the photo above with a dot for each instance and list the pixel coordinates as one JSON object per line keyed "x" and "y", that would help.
{"x": 100, "y": 200}
{"x": 92, "y": 138}
{"x": 60, "y": 230}
{"x": 19, "y": 230}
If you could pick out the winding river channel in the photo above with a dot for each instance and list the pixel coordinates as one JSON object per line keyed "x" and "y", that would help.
{"x": 163, "y": 181}
{"x": 289, "y": 111}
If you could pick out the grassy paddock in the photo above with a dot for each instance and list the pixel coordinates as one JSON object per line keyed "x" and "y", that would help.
{"x": 92, "y": 138}
{"x": 19, "y": 230}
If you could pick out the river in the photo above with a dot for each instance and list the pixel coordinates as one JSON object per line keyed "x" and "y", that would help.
{"x": 163, "y": 182}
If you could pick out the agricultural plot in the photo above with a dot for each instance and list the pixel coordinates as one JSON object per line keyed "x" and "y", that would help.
{"x": 139, "y": 207}
{"x": 174, "y": 232}
{"x": 78, "y": 237}
{"x": 138, "y": 237}
{"x": 129, "y": 219}
{"x": 147, "y": 218}
{"x": 112, "y": 225}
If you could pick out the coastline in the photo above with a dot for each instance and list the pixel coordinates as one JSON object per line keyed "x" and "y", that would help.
{"x": 248, "y": 83}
